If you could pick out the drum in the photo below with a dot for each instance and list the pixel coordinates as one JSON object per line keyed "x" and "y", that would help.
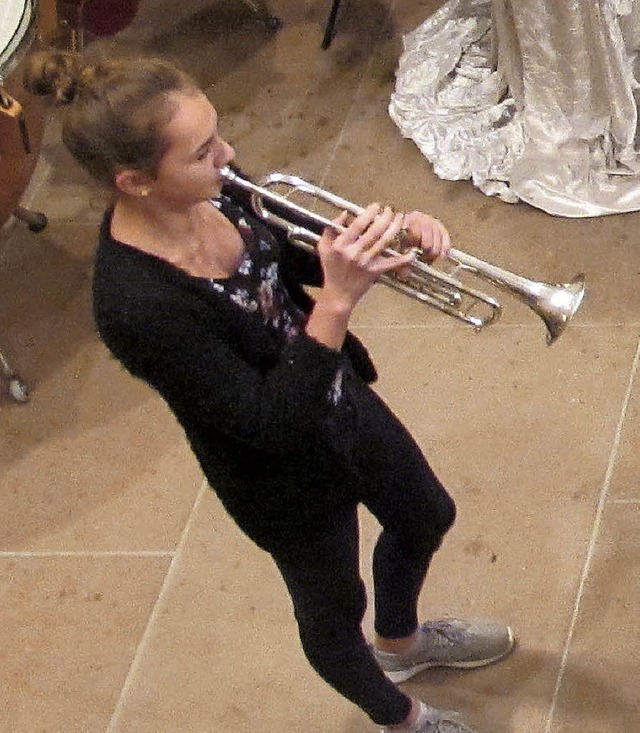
{"x": 87, "y": 20}
{"x": 24, "y": 24}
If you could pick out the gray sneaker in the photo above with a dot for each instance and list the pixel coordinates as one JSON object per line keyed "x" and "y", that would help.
{"x": 449, "y": 642}
{"x": 432, "y": 720}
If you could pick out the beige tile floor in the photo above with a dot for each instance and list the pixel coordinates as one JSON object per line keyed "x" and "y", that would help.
{"x": 131, "y": 604}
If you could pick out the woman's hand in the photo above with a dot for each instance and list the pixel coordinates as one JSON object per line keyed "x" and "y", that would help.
{"x": 354, "y": 259}
{"x": 429, "y": 234}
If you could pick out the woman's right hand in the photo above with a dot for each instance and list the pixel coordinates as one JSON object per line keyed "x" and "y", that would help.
{"x": 354, "y": 259}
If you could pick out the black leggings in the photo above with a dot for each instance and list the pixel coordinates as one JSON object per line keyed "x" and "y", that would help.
{"x": 322, "y": 570}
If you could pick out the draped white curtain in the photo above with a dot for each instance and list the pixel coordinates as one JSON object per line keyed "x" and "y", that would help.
{"x": 530, "y": 99}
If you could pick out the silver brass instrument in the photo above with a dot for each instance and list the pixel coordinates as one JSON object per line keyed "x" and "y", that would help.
{"x": 554, "y": 304}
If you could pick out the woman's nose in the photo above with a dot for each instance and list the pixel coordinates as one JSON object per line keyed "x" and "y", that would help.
{"x": 230, "y": 153}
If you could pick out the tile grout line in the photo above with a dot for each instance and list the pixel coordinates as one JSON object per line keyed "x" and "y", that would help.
{"x": 494, "y": 327}
{"x": 144, "y": 641}
{"x": 88, "y": 553}
{"x": 592, "y": 541}
{"x": 338, "y": 141}
{"x": 364, "y": 75}
{"x": 347, "y": 118}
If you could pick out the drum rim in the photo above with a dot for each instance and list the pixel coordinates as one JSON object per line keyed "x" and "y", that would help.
{"x": 25, "y": 33}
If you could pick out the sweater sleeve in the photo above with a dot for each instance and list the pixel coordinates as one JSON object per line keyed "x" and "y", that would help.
{"x": 207, "y": 381}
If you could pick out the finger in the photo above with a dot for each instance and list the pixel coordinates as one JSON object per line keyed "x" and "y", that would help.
{"x": 380, "y": 235}
{"x": 340, "y": 223}
{"x": 342, "y": 219}
{"x": 394, "y": 232}
{"x": 432, "y": 234}
{"x": 393, "y": 263}
{"x": 377, "y": 229}
{"x": 446, "y": 241}
{"x": 434, "y": 240}
{"x": 442, "y": 242}
{"x": 361, "y": 224}
{"x": 331, "y": 233}
{"x": 435, "y": 244}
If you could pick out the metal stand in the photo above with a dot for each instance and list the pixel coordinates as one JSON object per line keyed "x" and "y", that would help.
{"x": 17, "y": 388}
{"x": 272, "y": 22}
{"x": 331, "y": 24}
{"x": 35, "y": 220}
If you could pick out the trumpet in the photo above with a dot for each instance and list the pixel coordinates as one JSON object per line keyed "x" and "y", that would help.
{"x": 555, "y": 304}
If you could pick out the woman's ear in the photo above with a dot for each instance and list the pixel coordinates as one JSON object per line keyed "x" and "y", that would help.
{"x": 133, "y": 183}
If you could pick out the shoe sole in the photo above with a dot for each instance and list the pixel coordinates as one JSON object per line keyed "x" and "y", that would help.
{"x": 402, "y": 675}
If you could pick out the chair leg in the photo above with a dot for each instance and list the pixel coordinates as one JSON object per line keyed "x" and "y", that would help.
{"x": 33, "y": 219}
{"x": 17, "y": 388}
{"x": 262, "y": 11}
{"x": 331, "y": 23}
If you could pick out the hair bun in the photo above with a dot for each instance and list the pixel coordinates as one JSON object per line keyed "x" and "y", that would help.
{"x": 52, "y": 74}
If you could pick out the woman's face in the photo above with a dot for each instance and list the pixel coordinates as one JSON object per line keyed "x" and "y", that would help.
{"x": 189, "y": 170}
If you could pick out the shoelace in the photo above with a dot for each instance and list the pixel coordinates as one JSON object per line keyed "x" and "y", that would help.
{"x": 433, "y": 717}
{"x": 443, "y": 633}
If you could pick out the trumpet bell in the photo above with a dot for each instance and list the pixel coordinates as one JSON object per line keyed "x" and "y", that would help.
{"x": 557, "y": 304}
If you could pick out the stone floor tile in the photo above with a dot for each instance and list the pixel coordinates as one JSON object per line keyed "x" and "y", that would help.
{"x": 227, "y": 628}
{"x": 599, "y": 690}
{"x": 71, "y": 627}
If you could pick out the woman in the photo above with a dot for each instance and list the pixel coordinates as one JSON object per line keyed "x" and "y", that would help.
{"x": 531, "y": 99}
{"x": 205, "y": 303}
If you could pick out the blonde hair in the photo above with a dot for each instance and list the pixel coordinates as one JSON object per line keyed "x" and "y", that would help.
{"x": 115, "y": 109}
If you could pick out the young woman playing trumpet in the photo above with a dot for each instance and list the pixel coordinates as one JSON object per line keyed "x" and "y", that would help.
{"x": 205, "y": 303}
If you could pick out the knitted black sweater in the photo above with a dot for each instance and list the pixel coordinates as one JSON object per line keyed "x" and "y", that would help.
{"x": 273, "y": 446}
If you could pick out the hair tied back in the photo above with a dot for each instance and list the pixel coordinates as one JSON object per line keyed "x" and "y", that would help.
{"x": 53, "y": 74}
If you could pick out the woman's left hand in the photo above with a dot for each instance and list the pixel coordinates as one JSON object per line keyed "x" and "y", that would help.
{"x": 429, "y": 234}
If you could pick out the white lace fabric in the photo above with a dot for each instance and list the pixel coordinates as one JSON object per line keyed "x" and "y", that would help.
{"x": 532, "y": 100}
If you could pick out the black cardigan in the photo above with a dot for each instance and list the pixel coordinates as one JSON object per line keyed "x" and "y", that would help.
{"x": 272, "y": 445}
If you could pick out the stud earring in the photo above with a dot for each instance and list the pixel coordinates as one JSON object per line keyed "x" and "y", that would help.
{"x": 145, "y": 191}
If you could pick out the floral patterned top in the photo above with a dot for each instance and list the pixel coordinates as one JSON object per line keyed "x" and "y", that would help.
{"x": 257, "y": 287}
